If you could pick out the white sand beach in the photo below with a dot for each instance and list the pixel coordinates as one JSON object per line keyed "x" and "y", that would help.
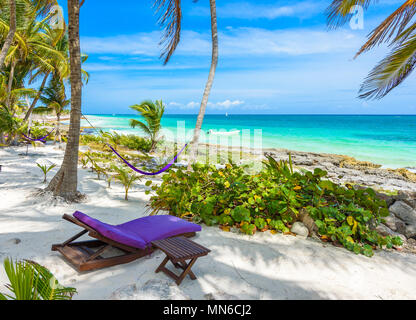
{"x": 263, "y": 266}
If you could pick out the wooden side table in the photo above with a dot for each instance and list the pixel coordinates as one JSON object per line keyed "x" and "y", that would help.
{"x": 178, "y": 250}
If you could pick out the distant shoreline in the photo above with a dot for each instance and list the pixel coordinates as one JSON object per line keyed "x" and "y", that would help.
{"x": 386, "y": 140}
{"x": 369, "y": 138}
{"x": 262, "y": 114}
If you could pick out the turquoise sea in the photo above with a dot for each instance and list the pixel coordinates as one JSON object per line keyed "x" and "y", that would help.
{"x": 387, "y": 140}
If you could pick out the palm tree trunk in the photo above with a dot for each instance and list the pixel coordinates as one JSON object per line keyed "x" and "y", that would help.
{"x": 65, "y": 182}
{"x": 35, "y": 101}
{"x": 10, "y": 35}
{"x": 10, "y": 86}
{"x": 208, "y": 87}
{"x": 58, "y": 128}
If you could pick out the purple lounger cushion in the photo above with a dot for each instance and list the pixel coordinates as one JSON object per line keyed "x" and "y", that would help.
{"x": 141, "y": 232}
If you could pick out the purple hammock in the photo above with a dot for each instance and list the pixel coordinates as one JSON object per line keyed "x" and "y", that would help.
{"x": 40, "y": 139}
{"x": 170, "y": 164}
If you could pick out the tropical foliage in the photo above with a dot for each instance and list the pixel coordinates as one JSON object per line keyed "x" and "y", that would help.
{"x": 35, "y": 50}
{"x": 31, "y": 281}
{"x": 127, "y": 178}
{"x": 65, "y": 181}
{"x": 130, "y": 141}
{"x": 45, "y": 169}
{"x": 152, "y": 113}
{"x": 398, "y": 30}
{"x": 273, "y": 200}
{"x": 54, "y": 101}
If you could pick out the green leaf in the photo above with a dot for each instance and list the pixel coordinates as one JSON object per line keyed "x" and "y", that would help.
{"x": 148, "y": 183}
{"x": 31, "y": 281}
{"x": 240, "y": 214}
{"x": 327, "y": 185}
{"x": 249, "y": 229}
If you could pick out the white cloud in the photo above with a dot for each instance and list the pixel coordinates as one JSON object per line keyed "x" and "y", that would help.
{"x": 246, "y": 10}
{"x": 125, "y": 67}
{"x": 223, "y": 105}
{"x": 139, "y": 44}
{"x": 192, "y": 105}
{"x": 106, "y": 58}
{"x": 174, "y": 104}
{"x": 263, "y": 42}
{"x": 227, "y": 104}
{"x": 232, "y": 42}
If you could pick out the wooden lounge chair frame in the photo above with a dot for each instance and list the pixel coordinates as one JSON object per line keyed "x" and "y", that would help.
{"x": 87, "y": 255}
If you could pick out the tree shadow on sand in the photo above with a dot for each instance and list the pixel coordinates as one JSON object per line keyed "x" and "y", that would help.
{"x": 237, "y": 268}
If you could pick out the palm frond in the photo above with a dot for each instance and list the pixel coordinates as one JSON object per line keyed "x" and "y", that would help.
{"x": 170, "y": 20}
{"x": 393, "y": 25}
{"x": 391, "y": 71}
{"x": 48, "y": 286}
{"x": 136, "y": 123}
{"x": 405, "y": 34}
{"x": 339, "y": 11}
{"x": 31, "y": 281}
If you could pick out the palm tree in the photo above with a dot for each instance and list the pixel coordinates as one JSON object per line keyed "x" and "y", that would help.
{"x": 6, "y": 122}
{"x": 127, "y": 178}
{"x": 113, "y": 138}
{"x": 60, "y": 66}
{"x": 208, "y": 87}
{"x": 65, "y": 182}
{"x": 10, "y": 34}
{"x": 398, "y": 31}
{"x": 11, "y": 95}
{"x": 11, "y": 98}
{"x": 33, "y": 45}
{"x": 54, "y": 100}
{"x": 152, "y": 112}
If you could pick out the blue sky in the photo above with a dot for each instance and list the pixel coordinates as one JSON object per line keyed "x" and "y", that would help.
{"x": 276, "y": 57}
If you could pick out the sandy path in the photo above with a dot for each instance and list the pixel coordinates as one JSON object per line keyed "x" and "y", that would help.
{"x": 261, "y": 267}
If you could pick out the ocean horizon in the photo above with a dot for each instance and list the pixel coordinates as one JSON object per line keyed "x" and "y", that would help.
{"x": 388, "y": 140}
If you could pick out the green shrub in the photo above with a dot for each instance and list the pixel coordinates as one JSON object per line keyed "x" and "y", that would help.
{"x": 130, "y": 141}
{"x": 273, "y": 200}
{"x": 134, "y": 142}
{"x": 88, "y": 138}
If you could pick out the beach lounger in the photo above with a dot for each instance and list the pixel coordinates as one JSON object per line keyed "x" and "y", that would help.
{"x": 133, "y": 239}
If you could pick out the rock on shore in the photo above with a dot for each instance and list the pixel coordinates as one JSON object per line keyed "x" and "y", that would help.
{"x": 397, "y": 187}
{"x": 344, "y": 169}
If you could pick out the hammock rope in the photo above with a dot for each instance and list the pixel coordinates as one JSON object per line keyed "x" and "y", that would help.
{"x": 165, "y": 168}
{"x": 40, "y": 139}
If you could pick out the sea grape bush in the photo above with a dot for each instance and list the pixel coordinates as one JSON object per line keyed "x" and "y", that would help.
{"x": 273, "y": 200}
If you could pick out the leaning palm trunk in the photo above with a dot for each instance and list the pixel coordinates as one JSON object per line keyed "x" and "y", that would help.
{"x": 10, "y": 86}
{"x": 10, "y": 35}
{"x": 64, "y": 184}
{"x": 35, "y": 101}
{"x": 208, "y": 87}
{"x": 58, "y": 129}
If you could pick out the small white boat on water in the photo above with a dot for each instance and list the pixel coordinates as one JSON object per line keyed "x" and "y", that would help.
{"x": 224, "y": 133}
